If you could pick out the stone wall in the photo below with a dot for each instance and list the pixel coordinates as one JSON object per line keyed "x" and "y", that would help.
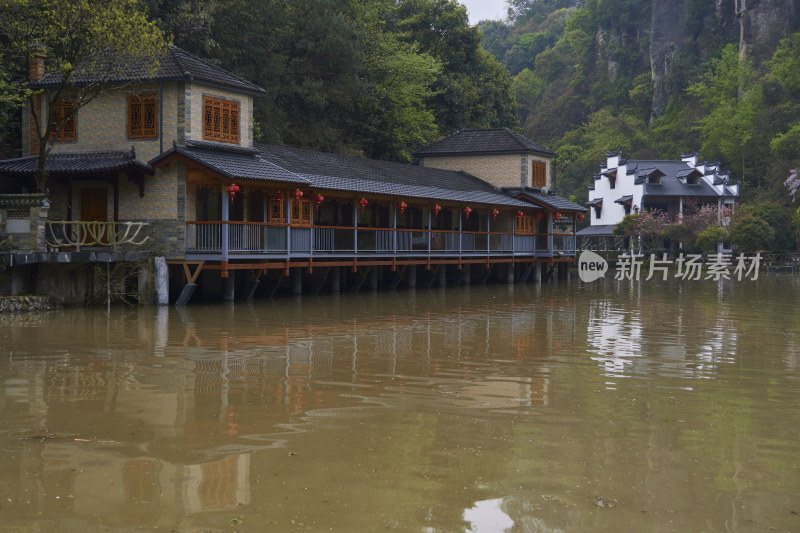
{"x": 15, "y": 304}
{"x": 22, "y": 222}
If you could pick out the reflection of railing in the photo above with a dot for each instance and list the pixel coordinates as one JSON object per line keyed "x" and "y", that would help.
{"x": 79, "y": 233}
{"x": 268, "y": 238}
{"x": 564, "y": 243}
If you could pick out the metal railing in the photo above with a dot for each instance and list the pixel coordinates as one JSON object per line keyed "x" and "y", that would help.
{"x": 280, "y": 239}
{"x": 77, "y": 234}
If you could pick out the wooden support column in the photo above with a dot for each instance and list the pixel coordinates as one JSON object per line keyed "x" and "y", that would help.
{"x": 336, "y": 279}
{"x": 411, "y": 276}
{"x": 225, "y": 233}
{"x": 297, "y": 280}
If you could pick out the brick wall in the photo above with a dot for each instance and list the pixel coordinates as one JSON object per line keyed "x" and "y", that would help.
{"x": 194, "y": 111}
{"x": 502, "y": 170}
{"x": 103, "y": 124}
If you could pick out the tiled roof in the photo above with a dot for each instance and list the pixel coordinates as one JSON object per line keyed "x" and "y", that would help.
{"x": 233, "y": 163}
{"x": 671, "y": 182}
{"x": 342, "y": 173}
{"x": 75, "y": 164}
{"x": 595, "y": 202}
{"x": 487, "y": 141}
{"x": 178, "y": 64}
{"x": 550, "y": 200}
{"x": 624, "y": 199}
{"x": 596, "y": 230}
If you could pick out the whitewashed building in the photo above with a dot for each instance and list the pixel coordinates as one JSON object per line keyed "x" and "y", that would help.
{"x": 626, "y": 186}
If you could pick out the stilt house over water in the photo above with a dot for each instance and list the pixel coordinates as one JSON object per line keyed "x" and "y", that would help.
{"x": 167, "y": 167}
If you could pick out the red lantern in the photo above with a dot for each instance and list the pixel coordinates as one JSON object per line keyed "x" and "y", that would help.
{"x": 538, "y": 216}
{"x": 402, "y": 206}
{"x": 467, "y": 211}
{"x": 580, "y": 217}
{"x": 278, "y": 198}
{"x": 436, "y": 209}
{"x": 558, "y": 216}
{"x": 520, "y": 214}
{"x": 363, "y": 203}
{"x": 495, "y": 212}
{"x": 318, "y": 199}
{"x": 297, "y": 195}
{"x": 232, "y": 190}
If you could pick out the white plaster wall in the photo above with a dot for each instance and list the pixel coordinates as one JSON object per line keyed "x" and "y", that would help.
{"x": 613, "y": 213}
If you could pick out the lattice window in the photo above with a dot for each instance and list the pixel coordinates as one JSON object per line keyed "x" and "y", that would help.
{"x": 539, "y": 174}
{"x": 142, "y": 112}
{"x": 65, "y": 116}
{"x": 21, "y": 212}
{"x": 277, "y": 209}
{"x": 526, "y": 225}
{"x": 301, "y": 213}
{"x": 220, "y": 120}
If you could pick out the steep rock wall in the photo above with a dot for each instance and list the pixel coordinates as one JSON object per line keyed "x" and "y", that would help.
{"x": 762, "y": 23}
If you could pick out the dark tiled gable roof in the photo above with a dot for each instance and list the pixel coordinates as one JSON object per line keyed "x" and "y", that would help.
{"x": 550, "y": 200}
{"x": 235, "y": 162}
{"x": 489, "y": 141}
{"x": 670, "y": 184}
{"x": 342, "y": 173}
{"x": 177, "y": 65}
{"x": 75, "y": 164}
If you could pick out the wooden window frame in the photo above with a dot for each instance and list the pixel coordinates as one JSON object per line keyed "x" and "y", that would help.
{"x": 277, "y": 210}
{"x": 138, "y": 105}
{"x": 301, "y": 214}
{"x": 69, "y": 132}
{"x": 221, "y": 120}
{"x": 538, "y": 174}
{"x": 526, "y": 225}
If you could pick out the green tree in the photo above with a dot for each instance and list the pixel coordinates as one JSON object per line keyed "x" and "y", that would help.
{"x": 394, "y": 113}
{"x": 710, "y": 237}
{"x": 580, "y": 150}
{"x": 90, "y": 46}
{"x": 726, "y": 90}
{"x": 751, "y": 233}
{"x": 473, "y": 90}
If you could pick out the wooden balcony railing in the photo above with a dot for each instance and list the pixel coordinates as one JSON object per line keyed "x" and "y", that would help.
{"x": 77, "y": 234}
{"x": 256, "y": 238}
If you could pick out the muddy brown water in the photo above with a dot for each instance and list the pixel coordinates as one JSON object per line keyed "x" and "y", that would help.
{"x": 613, "y": 406}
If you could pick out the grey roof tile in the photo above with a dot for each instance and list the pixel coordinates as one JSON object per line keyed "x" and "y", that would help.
{"x": 75, "y": 164}
{"x": 343, "y": 173}
{"x": 177, "y": 64}
{"x": 234, "y": 164}
{"x": 549, "y": 200}
{"x": 484, "y": 141}
{"x": 671, "y": 182}
{"x": 597, "y": 230}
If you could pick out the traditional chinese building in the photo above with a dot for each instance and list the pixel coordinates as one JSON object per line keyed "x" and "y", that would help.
{"x": 167, "y": 166}
{"x": 626, "y": 186}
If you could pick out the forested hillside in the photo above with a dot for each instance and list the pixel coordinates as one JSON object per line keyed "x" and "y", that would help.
{"x": 381, "y": 78}
{"x": 657, "y": 78}
{"x": 365, "y": 77}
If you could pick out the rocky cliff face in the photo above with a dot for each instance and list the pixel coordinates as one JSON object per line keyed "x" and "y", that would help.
{"x": 762, "y": 23}
{"x": 667, "y": 39}
{"x": 757, "y": 24}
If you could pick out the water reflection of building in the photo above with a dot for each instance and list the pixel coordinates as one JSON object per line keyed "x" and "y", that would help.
{"x": 686, "y": 340}
{"x": 158, "y": 419}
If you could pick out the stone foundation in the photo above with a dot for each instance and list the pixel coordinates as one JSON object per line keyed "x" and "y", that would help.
{"x": 16, "y": 304}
